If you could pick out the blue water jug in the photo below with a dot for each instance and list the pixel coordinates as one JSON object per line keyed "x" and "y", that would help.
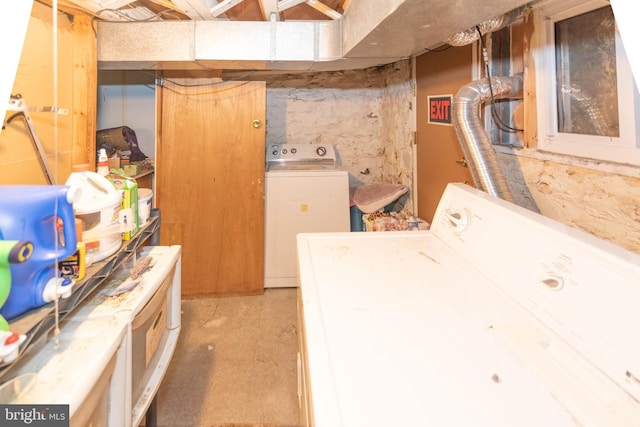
{"x": 44, "y": 216}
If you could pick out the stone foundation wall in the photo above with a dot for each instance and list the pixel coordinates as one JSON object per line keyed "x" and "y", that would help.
{"x": 366, "y": 114}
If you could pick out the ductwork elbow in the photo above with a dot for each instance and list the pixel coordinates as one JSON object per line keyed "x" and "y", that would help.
{"x": 476, "y": 145}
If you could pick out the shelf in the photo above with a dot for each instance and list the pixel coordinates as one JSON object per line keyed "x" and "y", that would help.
{"x": 37, "y": 323}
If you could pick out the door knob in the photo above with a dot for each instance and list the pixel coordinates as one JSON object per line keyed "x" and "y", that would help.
{"x": 256, "y": 123}
{"x": 462, "y": 162}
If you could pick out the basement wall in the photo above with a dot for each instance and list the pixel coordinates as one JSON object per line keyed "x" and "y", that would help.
{"x": 366, "y": 114}
{"x": 605, "y": 203}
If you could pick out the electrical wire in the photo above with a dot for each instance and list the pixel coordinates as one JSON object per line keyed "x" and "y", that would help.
{"x": 439, "y": 49}
{"x": 166, "y": 12}
{"x": 494, "y": 112}
{"x": 216, "y": 83}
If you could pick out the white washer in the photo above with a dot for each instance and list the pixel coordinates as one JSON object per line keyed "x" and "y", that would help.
{"x": 304, "y": 192}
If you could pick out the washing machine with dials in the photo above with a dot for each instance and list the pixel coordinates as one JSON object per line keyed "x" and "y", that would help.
{"x": 305, "y": 191}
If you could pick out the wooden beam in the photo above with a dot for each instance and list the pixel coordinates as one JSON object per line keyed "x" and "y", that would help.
{"x": 96, "y": 6}
{"x": 286, "y": 4}
{"x": 70, "y": 8}
{"x": 321, "y": 7}
{"x": 92, "y": 8}
{"x": 223, "y": 6}
{"x": 85, "y": 76}
{"x": 168, "y": 5}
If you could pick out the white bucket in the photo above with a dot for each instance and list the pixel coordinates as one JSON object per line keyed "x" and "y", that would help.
{"x": 98, "y": 208}
{"x": 144, "y": 205}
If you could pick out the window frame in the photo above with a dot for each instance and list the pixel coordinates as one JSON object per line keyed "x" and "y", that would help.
{"x": 623, "y": 149}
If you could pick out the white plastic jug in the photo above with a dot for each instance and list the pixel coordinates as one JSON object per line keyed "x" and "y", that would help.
{"x": 98, "y": 208}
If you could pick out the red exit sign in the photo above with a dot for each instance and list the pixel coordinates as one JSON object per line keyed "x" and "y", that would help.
{"x": 440, "y": 109}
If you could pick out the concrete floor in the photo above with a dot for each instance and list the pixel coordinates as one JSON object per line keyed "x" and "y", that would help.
{"x": 235, "y": 363}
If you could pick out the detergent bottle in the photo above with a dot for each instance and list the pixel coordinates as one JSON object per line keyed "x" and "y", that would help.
{"x": 103, "y": 163}
{"x": 42, "y": 215}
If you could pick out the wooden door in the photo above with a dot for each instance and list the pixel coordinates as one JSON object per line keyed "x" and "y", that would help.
{"x": 210, "y": 183}
{"x": 438, "y": 151}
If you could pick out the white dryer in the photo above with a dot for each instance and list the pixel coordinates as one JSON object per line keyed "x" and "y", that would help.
{"x": 304, "y": 192}
{"x": 495, "y": 317}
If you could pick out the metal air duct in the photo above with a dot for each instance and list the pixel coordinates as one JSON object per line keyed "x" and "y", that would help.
{"x": 481, "y": 157}
{"x": 370, "y": 33}
{"x": 470, "y": 35}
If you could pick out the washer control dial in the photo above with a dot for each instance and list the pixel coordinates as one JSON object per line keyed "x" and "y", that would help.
{"x": 458, "y": 220}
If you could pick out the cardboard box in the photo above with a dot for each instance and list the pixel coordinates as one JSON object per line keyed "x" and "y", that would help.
{"x": 114, "y": 163}
{"x": 128, "y": 188}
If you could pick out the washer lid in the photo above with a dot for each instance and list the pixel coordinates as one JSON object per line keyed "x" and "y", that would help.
{"x": 300, "y": 156}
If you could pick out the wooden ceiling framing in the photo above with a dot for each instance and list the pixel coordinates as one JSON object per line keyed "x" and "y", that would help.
{"x": 196, "y": 10}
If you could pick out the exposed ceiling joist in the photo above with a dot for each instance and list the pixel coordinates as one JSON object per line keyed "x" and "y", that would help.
{"x": 321, "y": 7}
{"x": 223, "y": 6}
{"x": 206, "y": 10}
{"x": 362, "y": 37}
{"x": 168, "y": 4}
{"x": 287, "y": 4}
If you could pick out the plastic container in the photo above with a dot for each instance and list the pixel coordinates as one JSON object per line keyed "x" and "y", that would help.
{"x": 98, "y": 208}
{"x": 144, "y": 205}
{"x": 42, "y": 215}
{"x": 103, "y": 163}
{"x": 355, "y": 215}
